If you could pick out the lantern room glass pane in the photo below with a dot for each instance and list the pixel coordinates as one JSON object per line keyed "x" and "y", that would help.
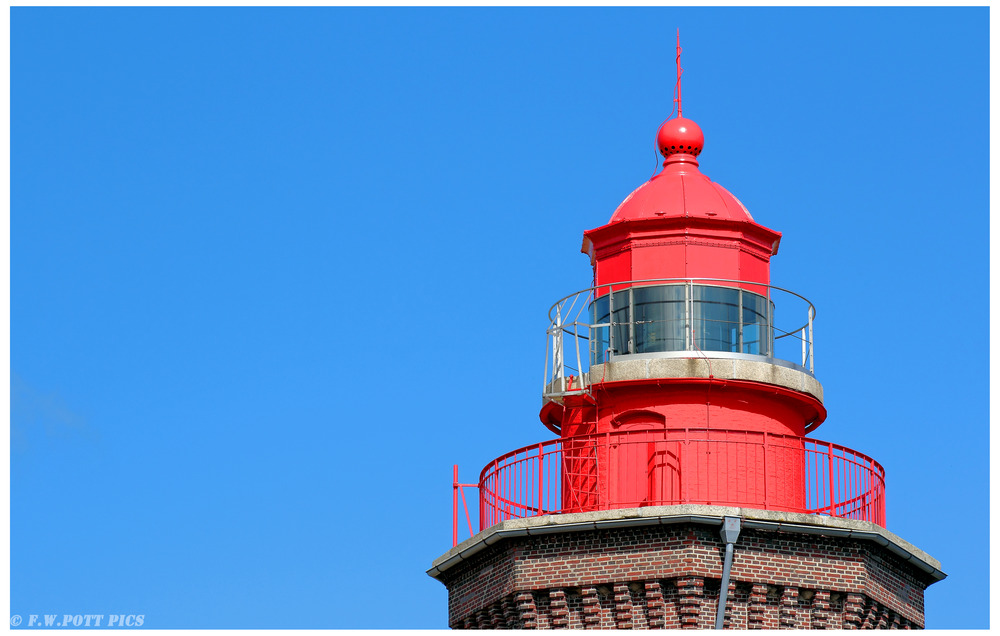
{"x": 599, "y": 336}
{"x": 659, "y": 318}
{"x": 621, "y": 341}
{"x": 756, "y": 336}
{"x": 716, "y": 318}
{"x": 615, "y": 338}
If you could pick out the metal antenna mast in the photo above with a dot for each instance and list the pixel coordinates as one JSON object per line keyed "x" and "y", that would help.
{"x": 677, "y": 90}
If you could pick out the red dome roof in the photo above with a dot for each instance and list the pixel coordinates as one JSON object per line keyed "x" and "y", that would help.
{"x": 681, "y": 190}
{"x": 681, "y": 194}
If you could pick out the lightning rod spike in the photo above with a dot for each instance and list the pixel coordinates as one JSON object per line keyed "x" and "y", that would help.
{"x": 679, "y": 71}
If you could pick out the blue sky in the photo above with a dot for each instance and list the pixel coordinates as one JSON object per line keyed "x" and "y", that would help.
{"x": 274, "y": 271}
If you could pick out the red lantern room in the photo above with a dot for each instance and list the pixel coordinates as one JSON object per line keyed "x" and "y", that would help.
{"x": 684, "y": 398}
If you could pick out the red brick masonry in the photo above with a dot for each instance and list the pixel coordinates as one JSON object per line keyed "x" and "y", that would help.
{"x": 654, "y": 576}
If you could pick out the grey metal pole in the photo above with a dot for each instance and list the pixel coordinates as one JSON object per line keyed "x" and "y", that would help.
{"x": 812, "y": 353}
{"x": 730, "y": 532}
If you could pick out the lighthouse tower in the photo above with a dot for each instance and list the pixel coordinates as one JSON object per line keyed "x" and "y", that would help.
{"x": 682, "y": 490}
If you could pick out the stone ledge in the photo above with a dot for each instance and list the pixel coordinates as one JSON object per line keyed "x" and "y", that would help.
{"x": 722, "y": 367}
{"x": 689, "y": 513}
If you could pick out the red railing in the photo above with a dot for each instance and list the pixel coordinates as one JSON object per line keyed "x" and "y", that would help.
{"x": 631, "y": 469}
{"x": 456, "y": 490}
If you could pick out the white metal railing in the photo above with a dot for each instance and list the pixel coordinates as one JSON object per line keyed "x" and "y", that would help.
{"x": 674, "y": 318}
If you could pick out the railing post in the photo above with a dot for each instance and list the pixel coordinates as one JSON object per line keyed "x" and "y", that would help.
{"x": 558, "y": 364}
{"x": 454, "y": 506}
{"x": 739, "y": 323}
{"x": 631, "y": 321}
{"x": 829, "y": 468}
{"x": 878, "y": 496}
{"x": 802, "y": 336}
{"x": 611, "y": 323}
{"x": 688, "y": 314}
{"x": 482, "y": 501}
{"x": 766, "y": 449}
{"x": 541, "y": 478}
{"x": 812, "y": 350}
{"x": 770, "y": 325}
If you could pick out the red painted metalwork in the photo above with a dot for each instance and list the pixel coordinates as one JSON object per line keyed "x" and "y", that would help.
{"x": 729, "y": 404}
{"x": 457, "y": 488}
{"x": 682, "y": 225}
{"x": 682, "y": 466}
{"x": 642, "y": 439}
{"x": 680, "y": 71}
{"x": 680, "y": 136}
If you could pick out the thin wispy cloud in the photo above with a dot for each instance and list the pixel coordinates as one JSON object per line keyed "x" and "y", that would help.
{"x": 38, "y": 417}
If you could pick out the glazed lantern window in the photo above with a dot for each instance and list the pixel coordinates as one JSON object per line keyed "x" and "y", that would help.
{"x": 680, "y": 317}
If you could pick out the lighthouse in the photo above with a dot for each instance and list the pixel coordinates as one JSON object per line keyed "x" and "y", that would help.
{"x": 684, "y": 487}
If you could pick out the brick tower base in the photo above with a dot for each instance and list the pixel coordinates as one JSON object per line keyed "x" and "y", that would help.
{"x": 661, "y": 567}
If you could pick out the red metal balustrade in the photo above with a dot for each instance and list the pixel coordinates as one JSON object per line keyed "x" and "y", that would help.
{"x": 681, "y": 466}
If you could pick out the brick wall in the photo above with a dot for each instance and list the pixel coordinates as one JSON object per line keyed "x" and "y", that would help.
{"x": 669, "y": 576}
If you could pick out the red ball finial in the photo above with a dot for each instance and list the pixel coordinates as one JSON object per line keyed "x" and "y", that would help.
{"x": 679, "y": 136}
